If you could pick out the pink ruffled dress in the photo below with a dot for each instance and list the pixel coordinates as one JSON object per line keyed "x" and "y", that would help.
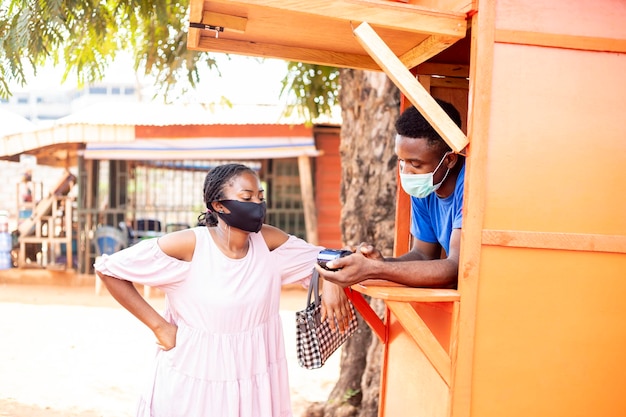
{"x": 229, "y": 359}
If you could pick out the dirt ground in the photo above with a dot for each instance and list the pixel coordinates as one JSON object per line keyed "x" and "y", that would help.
{"x": 66, "y": 352}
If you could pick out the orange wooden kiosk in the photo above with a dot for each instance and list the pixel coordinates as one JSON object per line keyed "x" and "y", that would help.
{"x": 537, "y": 326}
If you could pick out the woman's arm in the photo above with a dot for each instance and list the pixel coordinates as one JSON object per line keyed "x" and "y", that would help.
{"x": 335, "y": 303}
{"x": 336, "y": 306}
{"x": 180, "y": 244}
{"x": 274, "y": 237}
{"x": 127, "y": 295}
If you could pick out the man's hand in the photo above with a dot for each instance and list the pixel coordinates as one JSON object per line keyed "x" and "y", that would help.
{"x": 369, "y": 251}
{"x": 353, "y": 268}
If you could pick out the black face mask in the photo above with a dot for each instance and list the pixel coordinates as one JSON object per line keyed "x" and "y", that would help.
{"x": 244, "y": 215}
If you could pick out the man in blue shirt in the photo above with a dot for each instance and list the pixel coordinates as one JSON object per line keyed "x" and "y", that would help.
{"x": 433, "y": 175}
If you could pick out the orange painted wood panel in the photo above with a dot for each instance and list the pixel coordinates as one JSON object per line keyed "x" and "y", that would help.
{"x": 604, "y": 19}
{"x": 556, "y": 147}
{"x": 439, "y": 319}
{"x": 550, "y": 323}
{"x": 423, "y": 337}
{"x": 550, "y": 334}
{"x": 413, "y": 386}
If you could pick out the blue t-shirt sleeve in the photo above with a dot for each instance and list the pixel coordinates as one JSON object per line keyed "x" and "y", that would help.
{"x": 457, "y": 220}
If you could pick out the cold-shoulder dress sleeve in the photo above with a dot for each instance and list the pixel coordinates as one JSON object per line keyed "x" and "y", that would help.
{"x": 144, "y": 263}
{"x": 295, "y": 258}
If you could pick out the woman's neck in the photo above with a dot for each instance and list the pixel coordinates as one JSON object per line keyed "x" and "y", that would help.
{"x": 232, "y": 242}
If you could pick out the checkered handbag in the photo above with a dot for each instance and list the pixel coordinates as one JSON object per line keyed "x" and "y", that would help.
{"x": 315, "y": 341}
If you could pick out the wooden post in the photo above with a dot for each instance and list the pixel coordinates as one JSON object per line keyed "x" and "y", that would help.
{"x": 308, "y": 198}
{"x": 69, "y": 233}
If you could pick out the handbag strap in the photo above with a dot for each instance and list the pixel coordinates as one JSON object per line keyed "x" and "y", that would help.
{"x": 314, "y": 288}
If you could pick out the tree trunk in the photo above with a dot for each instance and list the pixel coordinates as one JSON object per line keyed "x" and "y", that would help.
{"x": 370, "y": 104}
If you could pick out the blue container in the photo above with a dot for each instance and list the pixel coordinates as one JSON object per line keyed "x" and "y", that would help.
{"x": 109, "y": 240}
{"x": 6, "y": 242}
{"x": 5, "y": 260}
{"x": 108, "y": 245}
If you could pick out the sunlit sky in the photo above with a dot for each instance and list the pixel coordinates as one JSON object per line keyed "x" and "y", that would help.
{"x": 243, "y": 79}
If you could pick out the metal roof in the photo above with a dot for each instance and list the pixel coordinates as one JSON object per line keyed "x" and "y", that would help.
{"x": 158, "y": 114}
{"x": 115, "y": 122}
{"x": 11, "y": 122}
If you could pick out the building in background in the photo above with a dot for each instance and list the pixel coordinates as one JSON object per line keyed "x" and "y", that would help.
{"x": 138, "y": 168}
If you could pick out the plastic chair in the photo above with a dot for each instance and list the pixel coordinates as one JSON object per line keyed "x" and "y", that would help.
{"x": 146, "y": 229}
{"x": 174, "y": 227}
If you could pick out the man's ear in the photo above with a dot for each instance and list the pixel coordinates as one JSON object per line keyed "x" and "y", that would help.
{"x": 453, "y": 158}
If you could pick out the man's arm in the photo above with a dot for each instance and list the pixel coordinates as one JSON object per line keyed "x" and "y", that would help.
{"x": 421, "y": 251}
{"x": 421, "y": 267}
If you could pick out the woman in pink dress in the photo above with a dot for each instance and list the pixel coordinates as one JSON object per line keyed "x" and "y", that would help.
{"x": 221, "y": 349}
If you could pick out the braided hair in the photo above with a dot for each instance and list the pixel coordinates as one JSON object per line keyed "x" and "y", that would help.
{"x": 214, "y": 183}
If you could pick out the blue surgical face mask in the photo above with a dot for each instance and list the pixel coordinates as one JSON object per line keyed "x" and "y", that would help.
{"x": 421, "y": 185}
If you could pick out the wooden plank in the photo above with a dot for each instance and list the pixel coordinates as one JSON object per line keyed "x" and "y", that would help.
{"x": 426, "y": 49}
{"x": 308, "y": 200}
{"x": 562, "y": 241}
{"x": 195, "y": 10}
{"x": 447, "y": 70}
{"x": 408, "y": 294}
{"x": 368, "y": 314}
{"x": 424, "y": 80}
{"x": 193, "y": 38}
{"x": 421, "y": 334}
{"x": 481, "y": 74}
{"x": 289, "y": 53}
{"x": 449, "y": 82}
{"x": 382, "y": 13}
{"x": 228, "y": 22}
{"x": 555, "y": 40}
{"x": 402, "y": 233}
{"x": 456, "y": 5}
{"x": 384, "y": 372}
{"x": 69, "y": 255}
{"x": 410, "y": 87}
{"x": 454, "y": 334}
{"x": 195, "y": 15}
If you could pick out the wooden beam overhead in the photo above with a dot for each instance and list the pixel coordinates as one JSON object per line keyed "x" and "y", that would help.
{"x": 426, "y": 49}
{"x": 384, "y": 13}
{"x": 411, "y": 88}
{"x": 228, "y": 22}
{"x": 288, "y": 53}
{"x": 322, "y": 31}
